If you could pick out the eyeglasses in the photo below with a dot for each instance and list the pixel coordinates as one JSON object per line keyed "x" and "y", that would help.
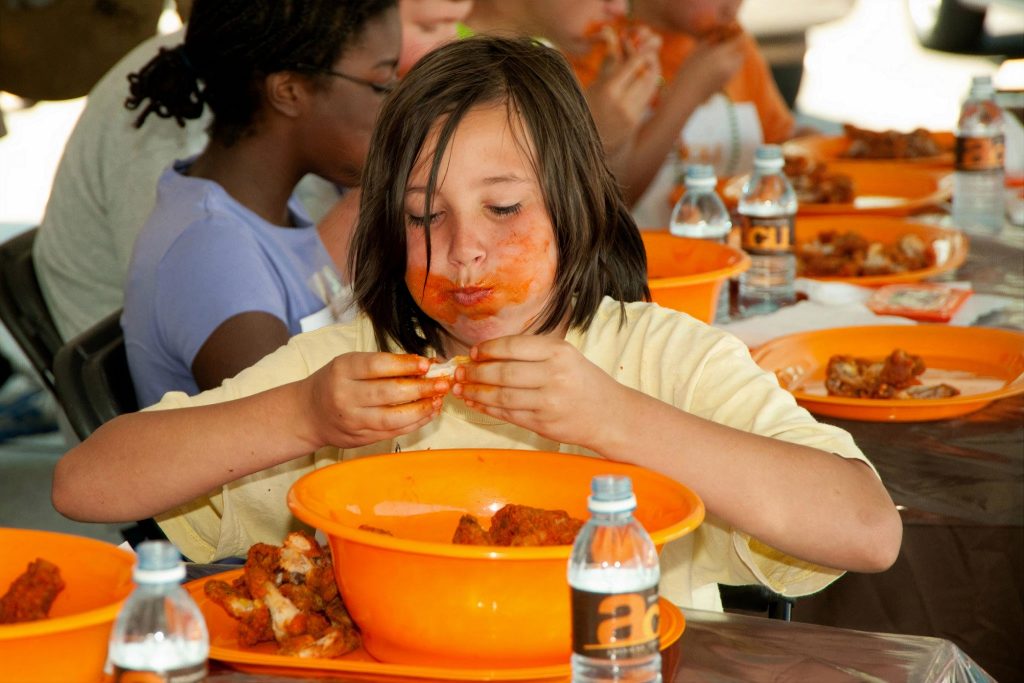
{"x": 379, "y": 88}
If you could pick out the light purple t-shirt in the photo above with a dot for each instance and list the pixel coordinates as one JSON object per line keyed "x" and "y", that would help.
{"x": 201, "y": 259}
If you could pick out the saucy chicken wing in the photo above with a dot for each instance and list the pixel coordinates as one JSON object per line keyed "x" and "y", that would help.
{"x": 31, "y": 594}
{"x": 520, "y": 525}
{"x": 288, "y": 594}
{"x": 895, "y": 377}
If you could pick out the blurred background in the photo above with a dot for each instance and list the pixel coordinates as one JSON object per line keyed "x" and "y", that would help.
{"x": 864, "y": 62}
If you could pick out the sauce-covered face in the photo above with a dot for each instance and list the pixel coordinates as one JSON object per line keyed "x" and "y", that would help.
{"x": 571, "y": 24}
{"x": 493, "y": 248}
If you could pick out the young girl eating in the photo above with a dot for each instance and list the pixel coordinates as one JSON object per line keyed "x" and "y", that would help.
{"x": 490, "y": 226}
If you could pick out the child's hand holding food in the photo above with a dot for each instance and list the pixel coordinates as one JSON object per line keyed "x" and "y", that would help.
{"x": 360, "y": 398}
{"x": 625, "y": 85}
{"x": 543, "y": 384}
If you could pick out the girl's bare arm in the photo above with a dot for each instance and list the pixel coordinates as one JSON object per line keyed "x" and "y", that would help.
{"x": 143, "y": 464}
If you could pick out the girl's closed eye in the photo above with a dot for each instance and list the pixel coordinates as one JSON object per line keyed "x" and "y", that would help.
{"x": 420, "y": 221}
{"x": 510, "y": 210}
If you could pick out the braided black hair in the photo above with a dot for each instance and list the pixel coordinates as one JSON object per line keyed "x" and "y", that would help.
{"x": 232, "y": 45}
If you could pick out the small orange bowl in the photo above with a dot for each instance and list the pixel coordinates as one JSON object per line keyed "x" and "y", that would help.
{"x": 687, "y": 274}
{"x": 71, "y": 645}
{"x": 420, "y": 599}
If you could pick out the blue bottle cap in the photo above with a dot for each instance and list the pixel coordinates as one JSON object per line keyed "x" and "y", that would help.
{"x": 769, "y": 156}
{"x": 611, "y": 493}
{"x": 700, "y": 175}
{"x": 158, "y": 562}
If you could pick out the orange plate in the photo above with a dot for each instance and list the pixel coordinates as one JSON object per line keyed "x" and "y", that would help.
{"x": 984, "y": 363}
{"x": 224, "y": 647}
{"x": 950, "y": 245}
{"x": 71, "y": 645}
{"x": 687, "y": 274}
{"x": 880, "y": 187}
{"x": 830, "y": 148}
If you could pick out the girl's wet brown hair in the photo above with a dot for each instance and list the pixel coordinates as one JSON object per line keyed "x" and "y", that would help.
{"x": 599, "y": 247}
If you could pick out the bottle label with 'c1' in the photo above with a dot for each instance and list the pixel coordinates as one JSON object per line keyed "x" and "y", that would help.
{"x": 980, "y": 154}
{"x": 617, "y": 625}
{"x": 767, "y": 235}
{"x": 188, "y": 674}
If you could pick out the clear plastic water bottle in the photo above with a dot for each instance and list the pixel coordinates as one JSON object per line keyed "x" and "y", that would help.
{"x": 767, "y": 209}
{"x": 700, "y": 214}
{"x": 160, "y": 630}
{"x": 613, "y": 573}
{"x": 978, "y": 201}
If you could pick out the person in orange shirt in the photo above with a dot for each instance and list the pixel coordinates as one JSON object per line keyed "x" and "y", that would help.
{"x": 718, "y": 104}
{"x": 626, "y": 77}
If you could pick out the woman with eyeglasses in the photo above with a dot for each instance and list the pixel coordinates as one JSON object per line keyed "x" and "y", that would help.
{"x": 229, "y": 265}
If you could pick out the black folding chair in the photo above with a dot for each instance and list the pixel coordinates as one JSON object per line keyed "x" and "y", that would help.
{"x": 92, "y": 379}
{"x": 94, "y": 385}
{"x": 23, "y": 309}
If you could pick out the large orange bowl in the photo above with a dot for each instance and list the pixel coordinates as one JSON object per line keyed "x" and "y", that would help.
{"x": 71, "y": 645}
{"x": 687, "y": 274}
{"x": 418, "y": 598}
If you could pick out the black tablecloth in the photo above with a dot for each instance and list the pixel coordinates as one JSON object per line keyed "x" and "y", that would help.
{"x": 960, "y": 484}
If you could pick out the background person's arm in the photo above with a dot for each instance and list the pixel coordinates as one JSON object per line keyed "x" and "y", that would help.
{"x": 236, "y": 344}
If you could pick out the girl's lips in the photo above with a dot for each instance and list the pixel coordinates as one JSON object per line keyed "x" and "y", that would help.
{"x": 470, "y": 296}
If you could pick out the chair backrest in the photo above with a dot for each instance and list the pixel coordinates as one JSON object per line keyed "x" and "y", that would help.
{"x": 22, "y": 307}
{"x": 92, "y": 378}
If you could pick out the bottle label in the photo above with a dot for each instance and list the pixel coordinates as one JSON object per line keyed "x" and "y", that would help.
{"x": 980, "y": 154}
{"x": 767, "y": 235}
{"x": 617, "y": 625}
{"x": 188, "y": 674}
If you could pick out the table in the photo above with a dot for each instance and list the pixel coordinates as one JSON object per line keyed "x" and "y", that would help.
{"x": 718, "y": 648}
{"x": 960, "y": 486}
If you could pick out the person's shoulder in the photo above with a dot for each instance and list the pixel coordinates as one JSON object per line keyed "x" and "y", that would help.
{"x": 322, "y": 344}
{"x": 657, "y": 325}
{"x": 611, "y": 311}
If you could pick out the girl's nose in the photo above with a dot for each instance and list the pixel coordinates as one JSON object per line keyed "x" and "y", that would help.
{"x": 465, "y": 247}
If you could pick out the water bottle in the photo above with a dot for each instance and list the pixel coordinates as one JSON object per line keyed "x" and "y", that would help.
{"x": 160, "y": 631}
{"x": 980, "y": 157}
{"x": 700, "y": 214}
{"x": 767, "y": 209}
{"x": 613, "y": 573}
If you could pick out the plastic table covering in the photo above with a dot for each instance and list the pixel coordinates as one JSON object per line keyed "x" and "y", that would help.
{"x": 716, "y": 648}
{"x": 960, "y": 486}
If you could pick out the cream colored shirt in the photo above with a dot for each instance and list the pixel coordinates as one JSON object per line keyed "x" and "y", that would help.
{"x": 659, "y": 351}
